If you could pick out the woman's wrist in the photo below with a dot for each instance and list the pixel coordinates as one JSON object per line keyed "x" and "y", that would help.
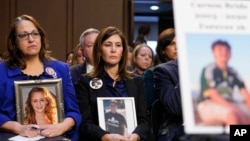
{"x": 68, "y": 124}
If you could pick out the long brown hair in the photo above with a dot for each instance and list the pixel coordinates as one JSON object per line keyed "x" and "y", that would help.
{"x": 50, "y": 109}
{"x": 13, "y": 56}
{"x": 97, "y": 55}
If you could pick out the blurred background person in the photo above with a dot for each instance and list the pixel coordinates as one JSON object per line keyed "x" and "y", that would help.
{"x": 129, "y": 59}
{"x": 166, "y": 46}
{"x": 86, "y": 42}
{"x": 78, "y": 57}
{"x": 165, "y": 51}
{"x": 142, "y": 58}
{"x": 143, "y": 33}
{"x": 69, "y": 58}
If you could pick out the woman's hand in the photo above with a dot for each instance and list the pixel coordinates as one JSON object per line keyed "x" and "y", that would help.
{"x": 133, "y": 137}
{"x": 29, "y": 131}
{"x": 114, "y": 137}
{"x": 52, "y": 130}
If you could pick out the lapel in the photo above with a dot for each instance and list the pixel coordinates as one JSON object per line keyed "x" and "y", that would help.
{"x": 102, "y": 91}
{"x": 130, "y": 85}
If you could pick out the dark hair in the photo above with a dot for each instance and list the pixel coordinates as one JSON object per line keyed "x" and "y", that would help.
{"x": 164, "y": 39}
{"x": 97, "y": 56}
{"x": 221, "y": 42}
{"x": 142, "y": 32}
{"x": 13, "y": 56}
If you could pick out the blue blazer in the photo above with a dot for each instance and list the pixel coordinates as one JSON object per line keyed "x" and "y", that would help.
{"x": 7, "y": 92}
{"x": 87, "y": 98}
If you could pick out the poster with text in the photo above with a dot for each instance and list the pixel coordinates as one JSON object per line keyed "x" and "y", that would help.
{"x": 213, "y": 41}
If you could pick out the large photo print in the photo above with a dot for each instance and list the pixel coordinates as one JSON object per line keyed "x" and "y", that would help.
{"x": 219, "y": 85}
{"x": 39, "y": 101}
{"x": 213, "y": 58}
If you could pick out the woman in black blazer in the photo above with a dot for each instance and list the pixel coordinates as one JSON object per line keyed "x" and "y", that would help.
{"x": 112, "y": 79}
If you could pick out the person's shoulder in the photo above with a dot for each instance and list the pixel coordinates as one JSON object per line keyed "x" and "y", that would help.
{"x": 210, "y": 67}
{"x": 137, "y": 77}
{"x": 3, "y": 65}
{"x": 171, "y": 63}
{"x": 149, "y": 70}
{"x": 85, "y": 77}
{"x": 56, "y": 63}
{"x": 77, "y": 66}
{"x": 232, "y": 70}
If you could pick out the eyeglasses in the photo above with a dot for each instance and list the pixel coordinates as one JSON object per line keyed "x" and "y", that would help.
{"x": 25, "y": 36}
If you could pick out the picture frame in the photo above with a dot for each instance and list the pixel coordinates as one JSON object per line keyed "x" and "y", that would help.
{"x": 124, "y": 121}
{"x": 52, "y": 96}
{"x": 208, "y": 22}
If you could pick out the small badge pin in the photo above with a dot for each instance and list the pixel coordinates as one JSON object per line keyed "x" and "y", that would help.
{"x": 51, "y": 71}
{"x": 95, "y": 83}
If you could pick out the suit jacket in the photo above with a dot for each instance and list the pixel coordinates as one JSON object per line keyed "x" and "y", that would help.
{"x": 87, "y": 98}
{"x": 168, "y": 91}
{"x": 76, "y": 71}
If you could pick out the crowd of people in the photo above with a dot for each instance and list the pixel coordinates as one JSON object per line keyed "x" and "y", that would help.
{"x": 104, "y": 65}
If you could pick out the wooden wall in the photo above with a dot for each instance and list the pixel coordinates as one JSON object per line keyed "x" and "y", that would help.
{"x": 65, "y": 20}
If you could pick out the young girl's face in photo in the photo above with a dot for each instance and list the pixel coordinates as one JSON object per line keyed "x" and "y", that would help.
{"x": 38, "y": 102}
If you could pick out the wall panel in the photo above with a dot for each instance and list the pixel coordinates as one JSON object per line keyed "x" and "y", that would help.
{"x": 65, "y": 20}
{"x": 52, "y": 16}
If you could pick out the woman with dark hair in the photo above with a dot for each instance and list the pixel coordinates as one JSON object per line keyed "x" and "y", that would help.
{"x": 110, "y": 69}
{"x": 143, "y": 33}
{"x": 166, "y": 46}
{"x": 40, "y": 107}
{"x": 166, "y": 50}
{"x": 27, "y": 58}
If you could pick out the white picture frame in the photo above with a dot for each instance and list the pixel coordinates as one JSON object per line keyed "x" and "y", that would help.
{"x": 125, "y": 106}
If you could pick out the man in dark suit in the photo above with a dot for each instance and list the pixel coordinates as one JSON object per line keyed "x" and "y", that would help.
{"x": 87, "y": 40}
{"x": 168, "y": 91}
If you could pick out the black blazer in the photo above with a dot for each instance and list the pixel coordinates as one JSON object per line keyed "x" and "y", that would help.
{"x": 76, "y": 71}
{"x": 87, "y": 98}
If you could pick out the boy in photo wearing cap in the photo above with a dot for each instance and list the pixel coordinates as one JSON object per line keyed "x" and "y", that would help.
{"x": 115, "y": 122}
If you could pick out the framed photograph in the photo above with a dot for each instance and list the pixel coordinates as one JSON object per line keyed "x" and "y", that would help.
{"x": 117, "y": 115}
{"x": 213, "y": 63}
{"x": 39, "y": 101}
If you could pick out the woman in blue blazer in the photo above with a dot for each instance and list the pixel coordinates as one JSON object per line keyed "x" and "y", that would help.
{"x": 27, "y": 58}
